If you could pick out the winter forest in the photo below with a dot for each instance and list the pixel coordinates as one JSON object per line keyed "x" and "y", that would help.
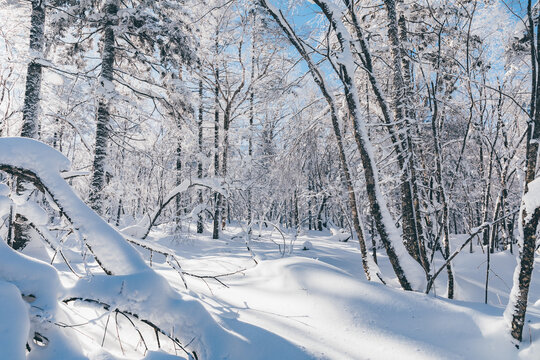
{"x": 269, "y": 179}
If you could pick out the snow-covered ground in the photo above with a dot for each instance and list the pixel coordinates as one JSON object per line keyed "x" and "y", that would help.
{"x": 317, "y": 304}
{"x": 275, "y": 295}
{"x": 276, "y": 304}
{"x": 281, "y": 304}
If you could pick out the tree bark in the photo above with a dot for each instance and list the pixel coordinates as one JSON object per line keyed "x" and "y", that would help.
{"x": 200, "y": 227}
{"x": 402, "y": 111}
{"x": 379, "y": 209}
{"x": 30, "y": 127}
{"x": 103, "y": 115}
{"x": 442, "y": 195}
{"x": 34, "y": 70}
{"x": 217, "y": 197}
{"x": 517, "y": 304}
{"x": 412, "y": 229}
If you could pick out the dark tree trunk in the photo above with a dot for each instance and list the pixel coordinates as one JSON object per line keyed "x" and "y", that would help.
{"x": 103, "y": 115}
{"x": 200, "y": 227}
{"x": 251, "y": 120}
{"x": 178, "y": 197}
{"x": 217, "y": 197}
{"x": 34, "y": 70}
{"x": 250, "y": 153}
{"x": 224, "y": 162}
{"x": 310, "y": 213}
{"x": 119, "y": 213}
{"x": 319, "y": 214}
{"x": 403, "y": 114}
{"x": 517, "y": 304}
{"x": 30, "y": 127}
{"x": 442, "y": 193}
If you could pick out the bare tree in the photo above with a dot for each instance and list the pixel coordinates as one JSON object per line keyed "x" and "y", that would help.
{"x": 530, "y": 214}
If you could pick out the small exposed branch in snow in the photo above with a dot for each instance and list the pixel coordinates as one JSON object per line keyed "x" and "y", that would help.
{"x": 173, "y": 262}
{"x": 73, "y": 174}
{"x": 475, "y": 232}
{"x": 168, "y": 255}
{"x": 126, "y": 314}
{"x": 215, "y": 277}
{"x": 118, "y": 333}
{"x": 138, "y": 331}
{"x": 105, "y": 331}
{"x": 176, "y": 266}
{"x": 277, "y": 228}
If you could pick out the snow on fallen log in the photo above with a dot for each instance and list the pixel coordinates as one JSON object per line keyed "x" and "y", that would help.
{"x": 135, "y": 288}
{"x": 43, "y": 164}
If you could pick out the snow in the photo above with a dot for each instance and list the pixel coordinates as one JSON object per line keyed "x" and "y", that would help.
{"x": 14, "y": 323}
{"x": 291, "y": 305}
{"x": 307, "y": 245}
{"x": 143, "y": 291}
{"x": 531, "y": 199}
{"x": 316, "y": 301}
{"x": 33, "y": 212}
{"x": 39, "y": 282}
{"x": 340, "y": 234}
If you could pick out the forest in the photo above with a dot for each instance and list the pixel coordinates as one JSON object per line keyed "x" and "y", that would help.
{"x": 269, "y": 179}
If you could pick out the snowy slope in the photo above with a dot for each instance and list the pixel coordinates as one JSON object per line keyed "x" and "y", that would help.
{"x": 317, "y": 303}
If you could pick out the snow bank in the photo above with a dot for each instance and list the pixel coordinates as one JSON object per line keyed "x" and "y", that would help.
{"x": 40, "y": 285}
{"x": 14, "y": 324}
{"x": 320, "y": 308}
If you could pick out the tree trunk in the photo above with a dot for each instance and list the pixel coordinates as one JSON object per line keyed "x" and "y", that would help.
{"x": 517, "y": 304}
{"x": 251, "y": 119}
{"x": 34, "y": 70}
{"x": 412, "y": 229}
{"x": 217, "y": 197}
{"x": 224, "y": 161}
{"x": 379, "y": 209}
{"x": 103, "y": 115}
{"x": 250, "y": 153}
{"x": 30, "y": 127}
{"x": 403, "y": 111}
{"x": 200, "y": 227}
{"x": 442, "y": 195}
{"x": 178, "y": 197}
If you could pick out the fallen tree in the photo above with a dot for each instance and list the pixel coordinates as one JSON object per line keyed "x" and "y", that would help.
{"x": 127, "y": 285}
